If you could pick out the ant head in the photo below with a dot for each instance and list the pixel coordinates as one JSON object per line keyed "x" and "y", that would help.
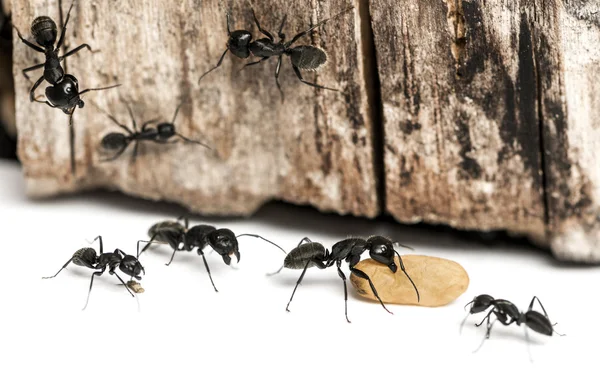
{"x": 224, "y": 242}
{"x": 382, "y": 250}
{"x": 132, "y": 267}
{"x": 165, "y": 130}
{"x": 480, "y": 303}
{"x": 114, "y": 141}
{"x": 44, "y": 31}
{"x": 65, "y": 94}
{"x": 238, "y": 43}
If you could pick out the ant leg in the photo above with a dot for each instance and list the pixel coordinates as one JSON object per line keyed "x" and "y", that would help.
{"x": 192, "y": 141}
{"x": 341, "y": 274}
{"x": 277, "y": 69}
{"x": 185, "y": 219}
{"x": 299, "y": 74}
{"x": 254, "y": 63}
{"x": 135, "y": 151}
{"x": 264, "y": 32}
{"x": 113, "y": 119}
{"x": 126, "y": 286}
{"x": 363, "y": 275}
{"x": 487, "y": 335}
{"x": 207, "y": 269}
{"x": 97, "y": 273}
{"x": 32, "y": 68}
{"x": 303, "y": 33}
{"x": 29, "y": 44}
{"x": 64, "y": 28}
{"x": 214, "y": 68}
{"x": 61, "y": 269}
{"x": 73, "y": 51}
{"x": 305, "y": 239}
{"x": 484, "y": 319}
{"x": 33, "y": 88}
{"x": 409, "y": 278}
{"x": 463, "y": 323}
{"x": 172, "y": 256}
{"x": 280, "y": 33}
{"x": 287, "y": 308}
{"x": 146, "y": 246}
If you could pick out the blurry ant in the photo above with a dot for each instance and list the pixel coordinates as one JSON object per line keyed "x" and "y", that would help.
{"x": 182, "y": 238}
{"x": 160, "y": 133}
{"x": 87, "y": 257}
{"x": 308, "y": 254}
{"x": 507, "y": 313}
{"x": 63, "y": 92}
{"x": 302, "y": 57}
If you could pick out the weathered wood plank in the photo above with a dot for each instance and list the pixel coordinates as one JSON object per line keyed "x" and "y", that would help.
{"x": 568, "y": 36}
{"x": 314, "y": 148}
{"x": 459, "y": 103}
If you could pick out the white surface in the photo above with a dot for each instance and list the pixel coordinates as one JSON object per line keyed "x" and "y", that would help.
{"x": 183, "y": 325}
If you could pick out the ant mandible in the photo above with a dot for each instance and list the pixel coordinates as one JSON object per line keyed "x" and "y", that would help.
{"x": 308, "y": 254}
{"x": 182, "y": 238}
{"x": 160, "y": 133}
{"x": 507, "y": 313}
{"x": 88, "y": 257}
{"x": 302, "y": 57}
{"x": 63, "y": 92}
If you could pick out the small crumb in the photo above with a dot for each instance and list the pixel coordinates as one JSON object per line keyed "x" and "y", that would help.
{"x": 135, "y": 286}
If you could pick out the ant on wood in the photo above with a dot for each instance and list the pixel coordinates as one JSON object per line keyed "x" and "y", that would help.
{"x": 308, "y": 254}
{"x": 161, "y": 133}
{"x": 63, "y": 92}
{"x": 182, "y": 238}
{"x": 302, "y": 57}
{"x": 507, "y": 313}
{"x": 88, "y": 257}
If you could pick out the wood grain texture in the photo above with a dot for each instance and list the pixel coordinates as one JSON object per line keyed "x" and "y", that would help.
{"x": 314, "y": 148}
{"x": 489, "y": 117}
{"x": 568, "y": 34}
{"x": 461, "y": 131}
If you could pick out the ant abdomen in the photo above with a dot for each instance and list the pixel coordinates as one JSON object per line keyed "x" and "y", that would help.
{"x": 307, "y": 57}
{"x": 538, "y": 323}
{"x": 44, "y": 31}
{"x": 238, "y": 43}
{"x": 299, "y": 256}
{"x": 114, "y": 141}
{"x": 84, "y": 257}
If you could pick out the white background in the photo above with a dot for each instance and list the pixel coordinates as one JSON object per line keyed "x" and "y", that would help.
{"x": 181, "y": 324}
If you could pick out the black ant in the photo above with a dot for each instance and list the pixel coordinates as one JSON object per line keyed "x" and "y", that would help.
{"x": 160, "y": 133}
{"x": 182, "y": 238}
{"x": 507, "y": 313}
{"x": 63, "y": 92}
{"x": 308, "y": 254}
{"x": 302, "y": 57}
{"x": 87, "y": 257}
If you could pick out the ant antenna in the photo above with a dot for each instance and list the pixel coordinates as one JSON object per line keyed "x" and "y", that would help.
{"x": 409, "y": 278}
{"x": 404, "y": 246}
{"x": 260, "y": 237}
